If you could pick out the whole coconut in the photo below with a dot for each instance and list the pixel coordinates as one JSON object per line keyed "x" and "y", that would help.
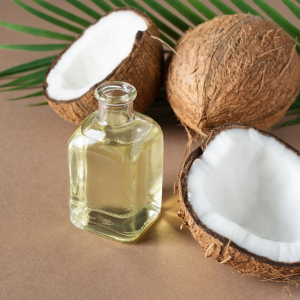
{"x": 234, "y": 68}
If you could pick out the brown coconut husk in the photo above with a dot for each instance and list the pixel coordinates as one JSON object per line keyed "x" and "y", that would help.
{"x": 143, "y": 68}
{"x": 234, "y": 68}
{"x": 220, "y": 248}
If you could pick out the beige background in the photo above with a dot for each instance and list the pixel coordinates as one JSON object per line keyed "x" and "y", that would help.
{"x": 43, "y": 256}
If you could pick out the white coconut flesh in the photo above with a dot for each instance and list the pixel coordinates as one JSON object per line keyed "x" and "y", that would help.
{"x": 94, "y": 55}
{"x": 246, "y": 187}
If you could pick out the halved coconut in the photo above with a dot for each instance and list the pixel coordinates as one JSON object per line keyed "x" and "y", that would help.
{"x": 240, "y": 198}
{"x": 118, "y": 47}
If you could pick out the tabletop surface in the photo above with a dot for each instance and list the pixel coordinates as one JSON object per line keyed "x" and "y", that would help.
{"x": 44, "y": 256}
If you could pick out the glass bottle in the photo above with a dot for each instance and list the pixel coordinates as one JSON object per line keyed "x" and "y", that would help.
{"x": 115, "y": 167}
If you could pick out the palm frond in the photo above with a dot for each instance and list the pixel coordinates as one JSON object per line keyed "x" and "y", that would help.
{"x": 279, "y": 19}
{"x": 37, "y": 31}
{"x": 293, "y": 8}
{"x": 103, "y": 5}
{"x": 32, "y": 83}
{"x": 118, "y": 3}
{"x": 28, "y": 66}
{"x": 204, "y": 10}
{"x": 296, "y": 104}
{"x": 37, "y": 47}
{"x": 38, "y": 67}
{"x": 63, "y": 13}
{"x": 293, "y": 121}
{"x": 167, "y": 15}
{"x": 25, "y": 78}
{"x": 245, "y": 8}
{"x": 87, "y": 10}
{"x": 38, "y": 104}
{"x": 185, "y": 11}
{"x": 162, "y": 26}
{"x": 27, "y": 96}
{"x": 293, "y": 112}
{"x": 225, "y": 9}
{"x": 48, "y": 18}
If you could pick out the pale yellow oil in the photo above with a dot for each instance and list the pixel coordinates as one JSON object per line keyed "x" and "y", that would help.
{"x": 115, "y": 187}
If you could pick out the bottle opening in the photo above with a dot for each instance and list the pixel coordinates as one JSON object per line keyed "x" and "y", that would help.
{"x": 115, "y": 92}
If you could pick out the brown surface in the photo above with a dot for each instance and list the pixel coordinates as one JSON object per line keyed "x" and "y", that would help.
{"x": 43, "y": 256}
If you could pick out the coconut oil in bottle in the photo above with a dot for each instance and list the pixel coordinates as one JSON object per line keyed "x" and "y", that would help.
{"x": 115, "y": 167}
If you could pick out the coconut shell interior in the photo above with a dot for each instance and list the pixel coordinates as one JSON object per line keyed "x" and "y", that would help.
{"x": 220, "y": 248}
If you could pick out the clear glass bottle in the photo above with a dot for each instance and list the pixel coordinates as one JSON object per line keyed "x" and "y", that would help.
{"x": 115, "y": 167}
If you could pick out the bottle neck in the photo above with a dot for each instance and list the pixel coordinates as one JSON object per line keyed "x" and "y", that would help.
{"x": 115, "y": 114}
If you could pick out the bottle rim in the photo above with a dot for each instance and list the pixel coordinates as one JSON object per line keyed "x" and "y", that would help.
{"x": 115, "y": 92}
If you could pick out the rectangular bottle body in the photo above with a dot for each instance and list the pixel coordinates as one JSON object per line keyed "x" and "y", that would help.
{"x": 115, "y": 190}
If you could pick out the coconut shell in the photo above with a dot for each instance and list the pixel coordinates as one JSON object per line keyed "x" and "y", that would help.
{"x": 143, "y": 68}
{"x": 219, "y": 247}
{"x": 234, "y": 68}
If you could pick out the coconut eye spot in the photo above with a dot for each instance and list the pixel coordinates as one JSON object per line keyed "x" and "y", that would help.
{"x": 246, "y": 186}
{"x": 95, "y": 55}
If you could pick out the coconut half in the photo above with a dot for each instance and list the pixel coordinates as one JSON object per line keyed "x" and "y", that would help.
{"x": 118, "y": 47}
{"x": 240, "y": 198}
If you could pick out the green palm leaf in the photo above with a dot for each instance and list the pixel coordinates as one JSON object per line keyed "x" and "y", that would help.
{"x": 26, "y": 78}
{"x": 204, "y": 10}
{"x": 294, "y": 112}
{"x": 37, "y": 104}
{"x": 162, "y": 26}
{"x": 245, "y": 8}
{"x": 118, "y": 3}
{"x": 279, "y": 19}
{"x": 87, "y": 10}
{"x": 28, "y": 66}
{"x": 293, "y": 121}
{"x": 27, "y": 96}
{"x": 168, "y": 34}
{"x": 223, "y": 7}
{"x": 47, "y": 17}
{"x": 185, "y": 11}
{"x": 296, "y": 104}
{"x": 293, "y": 8}
{"x": 167, "y": 15}
{"x": 27, "y": 85}
{"x": 63, "y": 13}
{"x": 37, "y": 31}
{"x": 103, "y": 5}
{"x": 41, "y": 47}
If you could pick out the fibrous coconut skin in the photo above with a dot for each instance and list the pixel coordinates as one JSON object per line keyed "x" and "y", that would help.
{"x": 143, "y": 68}
{"x": 234, "y": 68}
{"x": 221, "y": 248}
